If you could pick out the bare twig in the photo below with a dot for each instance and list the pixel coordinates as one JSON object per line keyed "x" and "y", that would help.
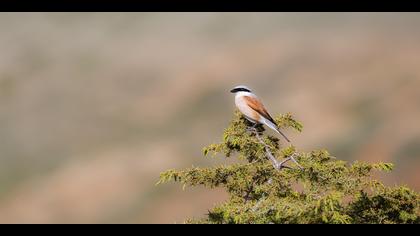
{"x": 268, "y": 151}
{"x": 278, "y": 165}
{"x": 292, "y": 157}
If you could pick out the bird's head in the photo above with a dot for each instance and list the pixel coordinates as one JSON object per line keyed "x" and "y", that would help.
{"x": 240, "y": 88}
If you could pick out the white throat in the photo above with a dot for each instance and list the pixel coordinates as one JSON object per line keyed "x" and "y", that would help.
{"x": 243, "y": 93}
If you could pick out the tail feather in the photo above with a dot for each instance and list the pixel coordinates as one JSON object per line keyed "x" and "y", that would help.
{"x": 275, "y": 128}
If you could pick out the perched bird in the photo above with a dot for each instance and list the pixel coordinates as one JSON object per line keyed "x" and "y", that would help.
{"x": 252, "y": 108}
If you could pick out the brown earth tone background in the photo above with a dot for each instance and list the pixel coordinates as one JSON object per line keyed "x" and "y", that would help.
{"x": 93, "y": 106}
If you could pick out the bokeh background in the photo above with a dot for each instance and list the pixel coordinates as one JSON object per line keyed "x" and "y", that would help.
{"x": 93, "y": 106}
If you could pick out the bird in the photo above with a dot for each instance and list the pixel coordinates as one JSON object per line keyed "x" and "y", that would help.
{"x": 253, "y": 109}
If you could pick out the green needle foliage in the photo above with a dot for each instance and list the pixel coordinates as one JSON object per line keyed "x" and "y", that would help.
{"x": 326, "y": 190}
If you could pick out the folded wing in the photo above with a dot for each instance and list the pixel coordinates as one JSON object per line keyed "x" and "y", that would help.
{"x": 257, "y": 106}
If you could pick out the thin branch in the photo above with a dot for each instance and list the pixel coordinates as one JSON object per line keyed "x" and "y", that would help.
{"x": 277, "y": 165}
{"x": 292, "y": 157}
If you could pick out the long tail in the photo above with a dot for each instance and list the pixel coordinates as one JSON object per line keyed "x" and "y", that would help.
{"x": 275, "y": 128}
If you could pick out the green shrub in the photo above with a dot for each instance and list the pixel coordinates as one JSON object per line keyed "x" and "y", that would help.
{"x": 323, "y": 190}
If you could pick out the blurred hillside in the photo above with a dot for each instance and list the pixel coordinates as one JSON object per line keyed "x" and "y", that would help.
{"x": 93, "y": 106}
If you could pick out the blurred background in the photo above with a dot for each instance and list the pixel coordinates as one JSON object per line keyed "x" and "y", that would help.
{"x": 93, "y": 106}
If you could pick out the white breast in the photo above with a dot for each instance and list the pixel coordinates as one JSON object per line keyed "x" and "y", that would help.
{"x": 243, "y": 107}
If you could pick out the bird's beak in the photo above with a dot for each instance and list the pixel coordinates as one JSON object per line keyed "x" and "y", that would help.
{"x": 233, "y": 90}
